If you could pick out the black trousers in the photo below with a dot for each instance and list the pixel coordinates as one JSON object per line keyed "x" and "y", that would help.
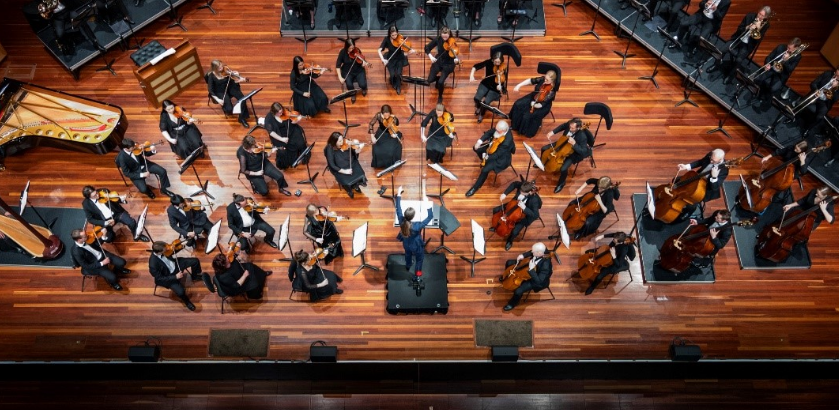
{"x": 257, "y": 226}
{"x": 176, "y": 286}
{"x": 485, "y": 95}
{"x": 156, "y": 170}
{"x": 359, "y": 77}
{"x": 124, "y": 219}
{"x": 444, "y": 71}
{"x": 519, "y": 292}
{"x": 261, "y": 187}
{"x": 234, "y": 91}
{"x": 694, "y": 27}
{"x": 103, "y": 271}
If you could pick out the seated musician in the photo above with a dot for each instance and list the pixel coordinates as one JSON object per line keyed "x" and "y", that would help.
{"x": 395, "y": 46}
{"x": 581, "y": 142}
{"x": 96, "y": 261}
{"x": 528, "y": 111}
{"x": 106, "y": 213}
{"x": 440, "y": 133}
{"x": 137, "y": 167}
{"x": 304, "y": 9}
{"x": 240, "y": 276}
{"x": 319, "y": 283}
{"x": 245, "y": 221}
{"x": 817, "y": 196}
{"x": 701, "y": 24}
{"x": 715, "y": 162}
{"x": 620, "y": 250}
{"x": 180, "y": 130}
{"x": 352, "y": 69}
{"x": 495, "y": 149}
{"x": 61, "y": 18}
{"x": 444, "y": 62}
{"x": 719, "y": 237}
{"x": 740, "y": 45}
{"x": 605, "y": 193}
{"x": 168, "y": 271}
{"x": 223, "y": 85}
{"x": 505, "y": 7}
{"x": 826, "y": 87}
{"x": 799, "y": 150}
{"x": 342, "y": 160}
{"x": 387, "y": 139}
{"x": 669, "y": 10}
{"x": 540, "y": 269}
{"x": 474, "y": 9}
{"x": 320, "y": 229}
{"x": 492, "y": 85}
{"x": 410, "y": 233}
{"x": 255, "y": 165}
{"x": 528, "y": 199}
{"x": 307, "y": 95}
{"x": 286, "y": 135}
{"x": 188, "y": 222}
{"x": 777, "y": 67}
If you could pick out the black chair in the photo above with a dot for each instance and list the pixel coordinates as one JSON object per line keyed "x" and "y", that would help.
{"x": 605, "y": 113}
{"x": 526, "y": 295}
{"x": 209, "y": 94}
{"x": 218, "y": 290}
{"x": 543, "y": 68}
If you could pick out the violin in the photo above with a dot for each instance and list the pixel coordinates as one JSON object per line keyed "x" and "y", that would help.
{"x": 506, "y": 217}
{"x": 390, "y": 124}
{"x": 347, "y": 144}
{"x": 575, "y": 216}
{"x": 541, "y": 95}
{"x": 446, "y": 121}
{"x": 291, "y": 115}
{"x": 310, "y": 68}
{"x": 316, "y": 255}
{"x": 553, "y": 157}
{"x": 235, "y": 75}
{"x": 258, "y": 207}
{"x": 356, "y": 55}
{"x": 592, "y": 262}
{"x": 106, "y": 196}
{"x": 262, "y": 147}
{"x": 232, "y": 250}
{"x": 180, "y": 113}
{"x": 172, "y": 248}
{"x": 776, "y": 241}
{"x": 671, "y": 199}
{"x": 519, "y": 273}
{"x": 493, "y": 146}
{"x": 142, "y": 148}
{"x": 193, "y": 205}
{"x": 450, "y": 46}
{"x": 401, "y": 43}
{"x": 500, "y": 72}
{"x": 679, "y": 250}
{"x": 331, "y": 216}
{"x": 95, "y": 235}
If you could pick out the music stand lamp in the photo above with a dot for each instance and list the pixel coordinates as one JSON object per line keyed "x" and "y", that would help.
{"x": 443, "y": 172}
{"x": 390, "y": 170}
{"x": 311, "y": 180}
{"x": 343, "y": 99}
{"x": 742, "y": 81}
{"x": 667, "y": 39}
{"x": 359, "y": 239}
{"x": 189, "y": 162}
{"x": 642, "y": 10}
{"x": 176, "y": 21}
{"x": 591, "y": 30}
{"x": 471, "y": 38}
{"x": 478, "y": 245}
{"x": 416, "y": 81}
{"x": 208, "y": 6}
{"x": 565, "y": 3}
{"x": 305, "y": 6}
{"x": 691, "y": 80}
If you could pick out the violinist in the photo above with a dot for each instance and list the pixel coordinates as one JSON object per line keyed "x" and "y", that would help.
{"x": 96, "y": 261}
{"x": 320, "y": 228}
{"x": 254, "y": 163}
{"x": 169, "y": 270}
{"x": 223, "y": 86}
{"x": 319, "y": 283}
{"x": 342, "y": 159}
{"x": 410, "y": 233}
{"x": 540, "y": 269}
{"x": 817, "y": 196}
{"x": 445, "y": 60}
{"x": 395, "y": 46}
{"x": 604, "y": 193}
{"x": 714, "y": 162}
{"x": 741, "y": 44}
{"x": 719, "y": 237}
{"x": 774, "y": 78}
{"x": 178, "y": 128}
{"x": 622, "y": 251}
{"x": 387, "y": 139}
{"x": 351, "y": 67}
{"x": 580, "y": 140}
{"x": 132, "y": 160}
{"x": 102, "y": 211}
{"x": 707, "y": 19}
{"x": 188, "y": 222}
{"x": 495, "y": 149}
{"x": 440, "y": 133}
{"x": 528, "y": 111}
{"x": 492, "y": 86}
{"x": 286, "y": 135}
{"x": 528, "y": 200}
{"x": 309, "y": 99}
{"x": 240, "y": 276}
{"x": 245, "y": 221}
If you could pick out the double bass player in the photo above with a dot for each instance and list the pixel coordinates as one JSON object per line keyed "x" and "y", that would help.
{"x": 539, "y": 268}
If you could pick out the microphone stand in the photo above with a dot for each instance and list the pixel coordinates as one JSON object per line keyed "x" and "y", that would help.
{"x": 667, "y": 38}
{"x": 176, "y": 21}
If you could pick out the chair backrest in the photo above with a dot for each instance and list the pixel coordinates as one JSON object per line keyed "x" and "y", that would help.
{"x": 507, "y": 49}
{"x": 544, "y": 67}
{"x": 219, "y": 290}
{"x": 589, "y": 137}
{"x": 208, "y": 282}
{"x": 598, "y": 108}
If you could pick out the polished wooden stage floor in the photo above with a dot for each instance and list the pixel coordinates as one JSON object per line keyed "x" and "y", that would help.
{"x": 745, "y": 314}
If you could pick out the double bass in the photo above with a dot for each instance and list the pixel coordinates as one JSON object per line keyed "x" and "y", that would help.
{"x": 592, "y": 262}
{"x": 671, "y": 199}
{"x": 575, "y": 216}
{"x": 679, "y": 250}
{"x": 554, "y": 156}
{"x": 776, "y": 241}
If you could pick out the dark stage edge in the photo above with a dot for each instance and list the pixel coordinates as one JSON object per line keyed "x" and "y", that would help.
{"x": 651, "y": 235}
{"x": 410, "y": 23}
{"x": 401, "y": 296}
{"x": 66, "y": 219}
{"x": 711, "y": 84}
{"x": 746, "y": 238}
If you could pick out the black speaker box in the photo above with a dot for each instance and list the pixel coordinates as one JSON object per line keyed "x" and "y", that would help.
{"x": 144, "y": 353}
{"x": 685, "y": 353}
{"x": 323, "y": 354}
{"x": 505, "y": 353}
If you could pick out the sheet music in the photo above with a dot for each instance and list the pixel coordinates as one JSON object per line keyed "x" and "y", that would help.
{"x": 746, "y": 188}
{"x": 163, "y": 55}
{"x": 359, "y": 240}
{"x": 650, "y": 201}
{"x": 536, "y": 159}
{"x": 141, "y": 222}
{"x": 422, "y": 211}
{"x": 443, "y": 171}
{"x": 563, "y": 232}
{"x": 478, "y": 241}
{"x": 284, "y": 233}
{"x": 212, "y": 237}
{"x": 24, "y": 198}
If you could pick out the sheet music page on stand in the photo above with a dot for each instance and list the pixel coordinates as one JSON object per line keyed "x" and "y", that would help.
{"x": 478, "y": 241}
{"x": 359, "y": 240}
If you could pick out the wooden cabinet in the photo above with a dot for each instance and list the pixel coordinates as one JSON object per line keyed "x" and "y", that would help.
{"x": 171, "y": 75}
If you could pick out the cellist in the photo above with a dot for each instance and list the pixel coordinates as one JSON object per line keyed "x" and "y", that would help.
{"x": 713, "y": 161}
{"x": 605, "y": 193}
{"x": 579, "y": 140}
{"x": 816, "y": 196}
{"x": 622, "y": 252}
{"x": 719, "y": 237}
{"x": 527, "y": 195}
{"x": 495, "y": 149}
{"x": 540, "y": 269}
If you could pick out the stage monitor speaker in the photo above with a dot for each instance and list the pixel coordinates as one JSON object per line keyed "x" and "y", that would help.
{"x": 685, "y": 353}
{"x": 323, "y": 354}
{"x": 505, "y": 353}
{"x": 144, "y": 354}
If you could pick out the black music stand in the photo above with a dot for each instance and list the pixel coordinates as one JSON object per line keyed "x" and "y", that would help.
{"x": 448, "y": 224}
{"x": 344, "y": 5}
{"x": 390, "y": 170}
{"x": 189, "y": 162}
{"x": 642, "y": 10}
{"x": 82, "y": 18}
{"x": 667, "y": 39}
{"x": 343, "y": 99}
{"x": 415, "y": 81}
{"x": 208, "y": 6}
{"x": 243, "y": 103}
{"x": 176, "y": 21}
{"x": 691, "y": 80}
{"x": 299, "y": 159}
{"x": 390, "y": 6}
{"x": 513, "y": 38}
{"x": 784, "y": 111}
{"x": 471, "y": 38}
{"x": 24, "y": 200}
{"x": 443, "y": 172}
{"x": 303, "y": 6}
{"x": 495, "y": 112}
{"x": 591, "y": 30}
{"x": 565, "y": 3}
{"x": 743, "y": 81}
{"x": 478, "y": 241}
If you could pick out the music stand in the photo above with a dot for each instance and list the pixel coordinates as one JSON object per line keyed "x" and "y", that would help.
{"x": 746, "y": 193}
{"x": 495, "y": 111}
{"x": 415, "y": 81}
{"x": 141, "y": 224}
{"x": 343, "y": 99}
{"x": 344, "y": 5}
{"x": 208, "y": 6}
{"x": 24, "y": 200}
{"x": 515, "y": 12}
{"x": 534, "y": 159}
{"x": 591, "y": 30}
{"x": 176, "y": 21}
{"x": 303, "y": 6}
{"x": 441, "y": 9}
{"x": 642, "y": 9}
{"x": 478, "y": 246}
{"x": 471, "y": 38}
{"x": 565, "y": 3}
{"x": 743, "y": 81}
{"x": 691, "y": 80}
{"x": 189, "y": 162}
{"x": 244, "y": 102}
{"x": 212, "y": 237}
{"x": 562, "y": 236}
{"x": 89, "y": 10}
{"x": 390, "y": 170}
{"x": 448, "y": 224}
{"x": 390, "y": 6}
{"x": 667, "y": 39}
{"x": 284, "y": 240}
{"x": 443, "y": 172}
{"x": 312, "y": 178}
{"x": 785, "y": 111}
{"x": 359, "y": 247}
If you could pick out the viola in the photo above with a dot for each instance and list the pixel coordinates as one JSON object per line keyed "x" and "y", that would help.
{"x": 233, "y": 249}
{"x": 446, "y": 120}
{"x": 235, "y": 75}
{"x": 317, "y": 255}
{"x": 575, "y": 216}
{"x": 291, "y": 115}
{"x": 493, "y": 146}
{"x": 678, "y": 251}
{"x": 776, "y": 241}
{"x": 142, "y": 148}
{"x": 106, "y": 196}
{"x": 553, "y": 157}
{"x": 312, "y": 68}
{"x": 592, "y": 262}
{"x": 262, "y": 147}
{"x": 180, "y": 113}
{"x": 541, "y": 95}
{"x": 401, "y": 43}
{"x": 505, "y": 219}
{"x": 671, "y": 199}
{"x": 172, "y": 248}
{"x": 95, "y": 234}
{"x": 258, "y": 207}
{"x": 356, "y": 55}
{"x": 450, "y": 45}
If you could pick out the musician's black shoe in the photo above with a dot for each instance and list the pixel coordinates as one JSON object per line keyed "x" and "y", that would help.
{"x": 350, "y": 193}
{"x": 363, "y": 92}
{"x": 125, "y": 271}
{"x": 398, "y": 90}
{"x": 271, "y": 243}
{"x": 711, "y": 69}
{"x": 508, "y": 245}
{"x": 166, "y": 192}
{"x": 480, "y": 119}
{"x": 352, "y": 99}
{"x": 559, "y": 188}
{"x": 327, "y": 110}
{"x": 141, "y": 238}
{"x": 478, "y": 23}
{"x": 244, "y": 123}
{"x": 151, "y": 194}
{"x": 196, "y": 277}
{"x": 470, "y": 192}
{"x": 508, "y": 308}
{"x": 590, "y": 289}
{"x": 190, "y": 306}
{"x": 116, "y": 286}
{"x": 285, "y": 192}
{"x": 270, "y": 272}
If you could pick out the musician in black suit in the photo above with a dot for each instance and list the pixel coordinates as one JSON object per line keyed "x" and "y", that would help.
{"x": 223, "y": 86}
{"x": 443, "y": 63}
{"x": 540, "y": 269}
{"x": 495, "y": 149}
{"x": 439, "y": 122}
{"x": 245, "y": 224}
{"x": 741, "y": 44}
{"x": 96, "y": 261}
{"x": 713, "y": 165}
{"x": 107, "y": 214}
{"x": 581, "y": 142}
{"x": 137, "y": 168}
{"x": 622, "y": 252}
{"x": 240, "y": 277}
{"x": 527, "y": 195}
{"x": 187, "y": 222}
{"x": 255, "y": 165}
{"x": 286, "y": 135}
{"x": 820, "y": 196}
{"x": 719, "y": 237}
{"x": 826, "y": 87}
{"x": 705, "y": 21}
{"x": 169, "y": 270}
{"x": 771, "y": 81}
{"x": 672, "y": 9}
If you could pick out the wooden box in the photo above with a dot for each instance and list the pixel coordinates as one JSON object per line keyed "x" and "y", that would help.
{"x": 171, "y": 75}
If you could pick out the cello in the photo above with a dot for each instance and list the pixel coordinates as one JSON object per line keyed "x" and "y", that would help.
{"x": 763, "y": 187}
{"x": 575, "y": 216}
{"x": 506, "y": 218}
{"x": 592, "y": 262}
{"x": 776, "y": 241}
{"x": 554, "y": 156}
{"x": 671, "y": 199}
{"x": 516, "y": 274}
{"x": 679, "y": 251}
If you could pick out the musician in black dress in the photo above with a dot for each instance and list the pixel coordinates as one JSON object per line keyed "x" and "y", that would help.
{"x": 705, "y": 21}
{"x": 352, "y": 70}
{"x": 719, "y": 237}
{"x": 137, "y": 168}
{"x": 286, "y": 135}
{"x": 320, "y": 228}
{"x": 394, "y": 47}
{"x": 605, "y": 193}
{"x": 96, "y": 261}
{"x": 254, "y": 163}
{"x": 387, "y": 139}
{"x": 817, "y": 196}
{"x": 309, "y": 99}
{"x": 444, "y": 62}
{"x": 740, "y": 45}
{"x": 495, "y": 149}
{"x": 342, "y": 159}
{"x": 528, "y": 111}
{"x": 245, "y": 223}
{"x": 188, "y": 222}
{"x": 223, "y": 85}
{"x": 527, "y": 195}
{"x": 319, "y": 283}
{"x": 492, "y": 84}
{"x": 439, "y": 134}
{"x": 168, "y": 271}
{"x": 180, "y": 131}
{"x": 826, "y": 87}
{"x": 581, "y": 142}
{"x": 107, "y": 213}
{"x": 540, "y": 269}
{"x": 622, "y": 252}
{"x": 240, "y": 276}
{"x": 713, "y": 165}
{"x": 777, "y": 67}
